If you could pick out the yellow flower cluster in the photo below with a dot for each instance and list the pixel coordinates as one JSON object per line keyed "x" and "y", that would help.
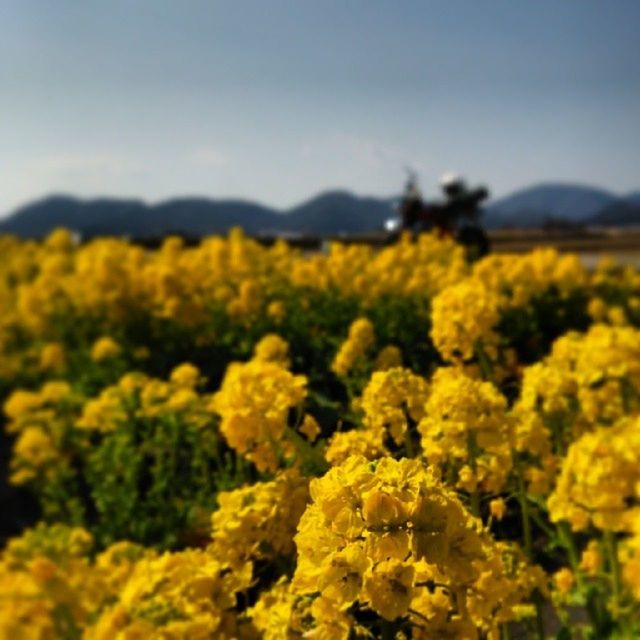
{"x": 113, "y": 279}
{"x": 519, "y": 278}
{"x": 388, "y": 358}
{"x": 588, "y": 380}
{"x": 605, "y": 363}
{"x": 136, "y": 394}
{"x": 104, "y": 348}
{"x": 50, "y": 588}
{"x": 422, "y": 267}
{"x": 40, "y": 420}
{"x": 52, "y": 357}
{"x": 259, "y": 521}
{"x": 389, "y": 538}
{"x": 599, "y": 483}
{"x": 279, "y": 613}
{"x": 361, "y": 442}
{"x": 254, "y": 403}
{"x": 466, "y": 431}
{"x": 272, "y": 348}
{"x": 464, "y": 318}
{"x": 187, "y": 595}
{"x": 392, "y": 402}
{"x": 473, "y": 418}
{"x": 354, "y": 349}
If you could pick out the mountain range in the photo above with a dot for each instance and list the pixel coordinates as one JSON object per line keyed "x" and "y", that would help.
{"x": 329, "y": 213}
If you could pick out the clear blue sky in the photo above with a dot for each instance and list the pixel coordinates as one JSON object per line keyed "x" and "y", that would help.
{"x": 275, "y": 100}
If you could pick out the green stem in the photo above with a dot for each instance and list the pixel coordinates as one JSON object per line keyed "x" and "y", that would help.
{"x": 483, "y": 361}
{"x": 408, "y": 443}
{"x": 538, "y": 601}
{"x": 611, "y": 544}
{"x": 526, "y": 517}
{"x": 307, "y": 451}
{"x": 387, "y": 631}
{"x": 475, "y": 503}
{"x": 528, "y": 548}
{"x": 472, "y": 454}
{"x": 566, "y": 538}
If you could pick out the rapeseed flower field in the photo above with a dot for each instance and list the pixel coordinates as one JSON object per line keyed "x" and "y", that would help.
{"x": 239, "y": 441}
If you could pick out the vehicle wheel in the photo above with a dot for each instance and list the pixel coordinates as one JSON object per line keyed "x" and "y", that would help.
{"x": 475, "y": 242}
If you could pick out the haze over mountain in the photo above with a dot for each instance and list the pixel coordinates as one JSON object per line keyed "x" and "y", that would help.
{"x": 535, "y": 205}
{"x": 328, "y": 213}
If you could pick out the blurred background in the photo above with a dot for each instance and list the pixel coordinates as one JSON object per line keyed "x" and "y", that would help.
{"x": 144, "y": 118}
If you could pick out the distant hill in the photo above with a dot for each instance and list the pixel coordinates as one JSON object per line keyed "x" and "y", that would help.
{"x": 633, "y": 197}
{"x": 329, "y": 213}
{"x": 38, "y": 218}
{"x": 198, "y": 216}
{"x": 335, "y": 212}
{"x": 535, "y": 205}
{"x": 621, "y": 213}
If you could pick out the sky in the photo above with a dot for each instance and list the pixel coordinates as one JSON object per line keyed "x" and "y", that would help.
{"x": 275, "y": 100}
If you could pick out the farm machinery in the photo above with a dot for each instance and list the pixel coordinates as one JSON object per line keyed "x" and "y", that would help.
{"x": 457, "y": 215}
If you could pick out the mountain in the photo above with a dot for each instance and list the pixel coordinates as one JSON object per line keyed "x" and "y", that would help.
{"x": 40, "y": 217}
{"x": 335, "y": 212}
{"x": 103, "y": 216}
{"x": 633, "y": 197}
{"x": 329, "y": 213}
{"x": 622, "y": 213}
{"x": 535, "y": 205}
{"x": 200, "y": 216}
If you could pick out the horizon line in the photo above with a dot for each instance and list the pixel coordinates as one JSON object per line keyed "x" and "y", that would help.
{"x": 283, "y": 210}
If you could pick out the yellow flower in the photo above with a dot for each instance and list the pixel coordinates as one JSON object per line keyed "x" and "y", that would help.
{"x": 254, "y": 402}
{"x": 388, "y": 588}
{"x": 591, "y": 559}
{"x": 393, "y": 402}
{"x": 32, "y": 451}
{"x": 599, "y": 479}
{"x": 463, "y": 318}
{"x": 272, "y": 348}
{"x": 105, "y": 348}
{"x": 564, "y": 580}
{"x": 182, "y": 595}
{"x": 258, "y": 522}
{"x": 52, "y": 357}
{"x": 21, "y": 403}
{"x": 355, "y": 347}
{"x": 276, "y": 615}
{"x": 182, "y": 399}
{"x": 276, "y": 310}
{"x": 389, "y": 357}
{"x": 362, "y": 442}
{"x": 310, "y": 427}
{"x": 186, "y": 376}
{"x": 466, "y": 423}
{"x": 497, "y": 508}
{"x": 377, "y": 534}
{"x": 597, "y": 309}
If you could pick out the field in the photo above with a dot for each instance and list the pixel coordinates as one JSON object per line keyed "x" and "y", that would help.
{"x": 232, "y": 440}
